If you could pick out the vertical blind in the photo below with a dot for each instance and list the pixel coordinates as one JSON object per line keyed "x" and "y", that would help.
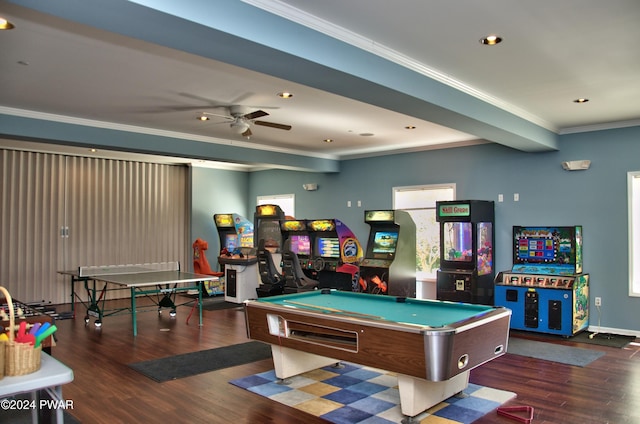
{"x": 61, "y": 212}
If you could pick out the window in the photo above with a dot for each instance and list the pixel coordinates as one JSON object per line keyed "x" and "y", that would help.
{"x": 633, "y": 186}
{"x": 420, "y": 202}
{"x": 285, "y": 201}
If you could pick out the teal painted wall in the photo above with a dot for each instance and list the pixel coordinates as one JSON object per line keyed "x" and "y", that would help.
{"x": 549, "y": 195}
{"x": 216, "y": 191}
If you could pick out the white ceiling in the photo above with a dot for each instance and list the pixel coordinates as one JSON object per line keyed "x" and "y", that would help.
{"x": 553, "y": 52}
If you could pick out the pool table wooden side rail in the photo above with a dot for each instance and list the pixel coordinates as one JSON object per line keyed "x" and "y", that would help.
{"x": 431, "y": 354}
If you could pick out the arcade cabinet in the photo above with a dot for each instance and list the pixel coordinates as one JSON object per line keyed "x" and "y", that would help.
{"x": 237, "y": 258}
{"x": 389, "y": 264}
{"x": 546, "y": 289}
{"x": 295, "y": 230}
{"x": 466, "y": 251}
{"x": 335, "y": 254}
{"x": 266, "y": 221}
{"x": 296, "y": 242}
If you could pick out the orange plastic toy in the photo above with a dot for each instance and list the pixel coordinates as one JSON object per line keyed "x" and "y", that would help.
{"x": 200, "y": 262}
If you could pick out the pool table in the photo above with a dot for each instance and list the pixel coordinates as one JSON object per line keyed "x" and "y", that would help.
{"x": 431, "y": 345}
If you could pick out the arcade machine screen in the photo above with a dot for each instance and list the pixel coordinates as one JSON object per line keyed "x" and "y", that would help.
{"x": 270, "y": 232}
{"x": 231, "y": 242}
{"x": 301, "y": 244}
{"x": 328, "y": 247}
{"x": 536, "y": 249}
{"x": 458, "y": 241}
{"x": 384, "y": 243}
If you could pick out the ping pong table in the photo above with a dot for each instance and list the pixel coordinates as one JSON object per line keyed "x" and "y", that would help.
{"x": 160, "y": 282}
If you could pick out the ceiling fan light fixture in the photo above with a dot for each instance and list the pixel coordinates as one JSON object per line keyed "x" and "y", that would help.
{"x": 239, "y": 126}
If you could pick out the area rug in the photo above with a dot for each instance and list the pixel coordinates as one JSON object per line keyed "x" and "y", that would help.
{"x": 604, "y": 339}
{"x": 356, "y": 394}
{"x": 553, "y": 352}
{"x": 188, "y": 364}
{"x": 219, "y": 304}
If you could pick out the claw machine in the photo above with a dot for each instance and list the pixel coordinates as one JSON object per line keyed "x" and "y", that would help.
{"x": 466, "y": 271}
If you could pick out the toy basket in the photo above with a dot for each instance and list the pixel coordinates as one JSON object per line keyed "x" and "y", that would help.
{"x": 2, "y": 349}
{"x": 19, "y": 358}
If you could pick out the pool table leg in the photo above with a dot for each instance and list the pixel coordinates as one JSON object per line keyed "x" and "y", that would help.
{"x": 418, "y": 395}
{"x": 289, "y": 362}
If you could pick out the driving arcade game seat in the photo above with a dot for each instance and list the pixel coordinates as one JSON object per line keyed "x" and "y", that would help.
{"x": 272, "y": 280}
{"x": 295, "y": 281}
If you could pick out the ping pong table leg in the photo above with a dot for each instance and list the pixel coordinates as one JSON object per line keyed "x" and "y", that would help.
{"x": 200, "y": 286}
{"x": 93, "y": 303}
{"x": 133, "y": 311}
{"x": 73, "y": 296}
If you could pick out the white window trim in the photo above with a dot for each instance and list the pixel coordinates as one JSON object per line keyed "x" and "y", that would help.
{"x": 273, "y": 199}
{"x": 633, "y": 200}
{"x": 451, "y": 186}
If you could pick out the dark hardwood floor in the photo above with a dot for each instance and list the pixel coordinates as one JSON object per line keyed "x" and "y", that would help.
{"x": 106, "y": 390}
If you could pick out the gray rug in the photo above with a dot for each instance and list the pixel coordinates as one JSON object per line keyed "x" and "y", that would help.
{"x": 218, "y": 304}
{"x": 553, "y": 352}
{"x": 601, "y": 339}
{"x": 188, "y": 364}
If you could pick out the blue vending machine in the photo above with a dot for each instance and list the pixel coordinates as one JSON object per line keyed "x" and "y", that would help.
{"x": 546, "y": 289}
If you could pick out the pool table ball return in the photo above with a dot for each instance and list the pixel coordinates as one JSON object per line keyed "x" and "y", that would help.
{"x": 431, "y": 345}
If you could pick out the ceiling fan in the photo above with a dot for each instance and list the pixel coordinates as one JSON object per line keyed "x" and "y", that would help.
{"x": 240, "y": 120}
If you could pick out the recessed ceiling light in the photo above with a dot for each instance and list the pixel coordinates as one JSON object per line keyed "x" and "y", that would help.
{"x": 202, "y": 118}
{"x": 491, "y": 40}
{"x": 410, "y": 127}
{"x": 285, "y": 95}
{"x": 581, "y": 100}
{"x": 328, "y": 140}
{"x": 4, "y": 24}
{"x": 366, "y": 134}
{"x": 93, "y": 150}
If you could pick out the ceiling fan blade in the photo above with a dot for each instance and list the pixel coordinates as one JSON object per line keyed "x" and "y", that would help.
{"x": 230, "y": 118}
{"x": 273, "y": 125}
{"x": 247, "y": 133}
{"x": 256, "y": 114}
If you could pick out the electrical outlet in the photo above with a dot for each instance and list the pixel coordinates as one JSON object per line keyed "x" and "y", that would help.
{"x": 598, "y": 301}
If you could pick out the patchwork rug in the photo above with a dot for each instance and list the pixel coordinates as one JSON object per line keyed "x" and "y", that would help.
{"x": 356, "y": 394}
